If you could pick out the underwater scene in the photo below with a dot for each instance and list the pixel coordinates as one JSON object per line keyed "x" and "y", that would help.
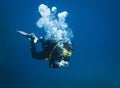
{"x": 60, "y": 44}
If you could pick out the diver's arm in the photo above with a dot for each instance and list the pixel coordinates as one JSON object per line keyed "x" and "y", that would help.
{"x": 52, "y": 64}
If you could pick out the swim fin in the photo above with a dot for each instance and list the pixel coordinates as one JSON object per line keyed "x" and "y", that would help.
{"x": 30, "y": 36}
{"x": 24, "y": 34}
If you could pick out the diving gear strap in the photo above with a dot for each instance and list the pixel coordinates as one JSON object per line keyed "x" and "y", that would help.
{"x": 65, "y": 52}
{"x": 54, "y": 49}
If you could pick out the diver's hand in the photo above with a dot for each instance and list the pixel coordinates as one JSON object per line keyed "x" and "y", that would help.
{"x": 63, "y": 63}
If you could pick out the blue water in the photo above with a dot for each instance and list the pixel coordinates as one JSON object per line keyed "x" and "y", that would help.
{"x": 95, "y": 62}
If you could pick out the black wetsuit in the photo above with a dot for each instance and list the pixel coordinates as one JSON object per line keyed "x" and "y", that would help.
{"x": 48, "y": 52}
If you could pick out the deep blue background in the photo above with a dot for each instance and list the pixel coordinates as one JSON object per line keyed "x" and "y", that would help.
{"x": 96, "y": 58}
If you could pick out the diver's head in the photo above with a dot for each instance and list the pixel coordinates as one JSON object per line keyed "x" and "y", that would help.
{"x": 67, "y": 50}
{"x": 68, "y": 46}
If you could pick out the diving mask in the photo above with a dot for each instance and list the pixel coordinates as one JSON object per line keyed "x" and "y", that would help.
{"x": 67, "y": 53}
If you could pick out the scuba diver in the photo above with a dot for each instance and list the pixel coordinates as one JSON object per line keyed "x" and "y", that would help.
{"x": 58, "y": 53}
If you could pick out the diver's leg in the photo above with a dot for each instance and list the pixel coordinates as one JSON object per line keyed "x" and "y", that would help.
{"x": 33, "y": 40}
{"x": 42, "y": 41}
{"x": 35, "y": 54}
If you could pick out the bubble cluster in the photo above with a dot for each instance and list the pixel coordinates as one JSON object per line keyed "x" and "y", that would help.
{"x": 54, "y": 23}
